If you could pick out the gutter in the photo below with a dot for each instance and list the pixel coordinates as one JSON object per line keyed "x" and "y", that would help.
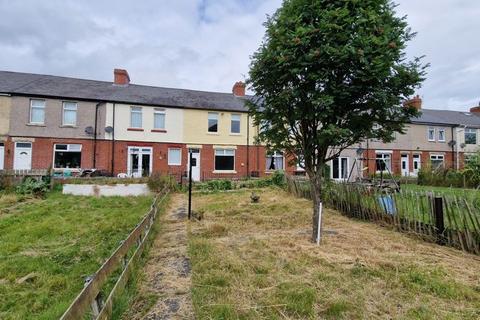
{"x": 248, "y": 145}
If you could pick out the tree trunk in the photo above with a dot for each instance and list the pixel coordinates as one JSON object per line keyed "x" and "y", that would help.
{"x": 316, "y": 180}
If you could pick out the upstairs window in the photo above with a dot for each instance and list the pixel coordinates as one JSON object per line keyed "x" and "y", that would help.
{"x": 224, "y": 160}
{"x": 67, "y": 156}
{"x": 274, "y": 161}
{"x": 470, "y": 136}
{"x": 431, "y": 134}
{"x": 235, "y": 123}
{"x": 135, "y": 117}
{"x": 441, "y": 135}
{"x": 69, "y": 113}
{"x": 37, "y": 111}
{"x": 159, "y": 119}
{"x": 383, "y": 162}
{"x": 213, "y": 122}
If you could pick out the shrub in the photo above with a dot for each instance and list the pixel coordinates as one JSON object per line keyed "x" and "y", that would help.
{"x": 157, "y": 183}
{"x": 217, "y": 185}
{"x": 30, "y": 186}
{"x": 278, "y": 179}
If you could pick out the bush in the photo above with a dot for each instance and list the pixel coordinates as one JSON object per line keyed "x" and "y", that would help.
{"x": 6, "y": 183}
{"x": 31, "y": 186}
{"x": 278, "y": 179}
{"x": 444, "y": 178}
{"x": 157, "y": 183}
{"x": 217, "y": 185}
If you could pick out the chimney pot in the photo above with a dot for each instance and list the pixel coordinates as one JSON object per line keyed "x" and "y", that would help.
{"x": 121, "y": 77}
{"x": 239, "y": 89}
{"x": 475, "y": 110}
{"x": 415, "y": 102}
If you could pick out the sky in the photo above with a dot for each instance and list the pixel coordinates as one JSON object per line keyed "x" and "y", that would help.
{"x": 207, "y": 44}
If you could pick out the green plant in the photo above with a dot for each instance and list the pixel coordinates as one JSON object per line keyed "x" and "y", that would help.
{"x": 278, "y": 178}
{"x": 31, "y": 186}
{"x": 158, "y": 182}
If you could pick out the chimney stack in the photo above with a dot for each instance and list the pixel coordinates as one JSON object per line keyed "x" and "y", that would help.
{"x": 415, "y": 102}
{"x": 476, "y": 109}
{"x": 239, "y": 89}
{"x": 121, "y": 77}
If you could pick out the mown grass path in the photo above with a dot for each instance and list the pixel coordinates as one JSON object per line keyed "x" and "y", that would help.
{"x": 164, "y": 290}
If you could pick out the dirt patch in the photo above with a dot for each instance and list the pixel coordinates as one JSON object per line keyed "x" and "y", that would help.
{"x": 164, "y": 293}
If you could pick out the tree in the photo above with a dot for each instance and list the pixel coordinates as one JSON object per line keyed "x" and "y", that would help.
{"x": 328, "y": 74}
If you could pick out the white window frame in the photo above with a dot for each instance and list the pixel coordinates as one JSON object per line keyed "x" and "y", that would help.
{"x": 390, "y": 157}
{"x": 140, "y": 151}
{"x": 36, "y": 107}
{"x": 435, "y": 156}
{"x": 444, "y": 135}
{"x": 474, "y": 131}
{"x": 137, "y": 110}
{"x": 222, "y": 153}
{"x": 69, "y": 149}
{"x": 434, "y": 131}
{"x": 64, "y": 107}
{"x": 275, "y": 154}
{"x": 170, "y": 163}
{"x": 340, "y": 178}
{"x": 239, "y": 120}
{"x": 156, "y": 112}
{"x": 213, "y": 116}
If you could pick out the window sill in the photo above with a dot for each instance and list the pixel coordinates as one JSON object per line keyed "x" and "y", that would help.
{"x": 175, "y": 165}
{"x": 224, "y": 171}
{"x": 213, "y": 133}
{"x": 135, "y": 129}
{"x": 36, "y": 124}
{"x": 159, "y": 130}
{"x": 68, "y": 126}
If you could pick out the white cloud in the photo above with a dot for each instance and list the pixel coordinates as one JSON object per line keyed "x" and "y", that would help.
{"x": 207, "y": 44}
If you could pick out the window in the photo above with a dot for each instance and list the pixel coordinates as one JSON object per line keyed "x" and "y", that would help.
{"x": 212, "y": 122}
{"x": 437, "y": 160}
{"x": 340, "y": 168}
{"x": 69, "y": 113}
{"x": 235, "y": 125}
{"x": 383, "y": 162}
{"x": 441, "y": 135}
{"x": 431, "y": 134}
{"x": 135, "y": 117}
{"x": 37, "y": 111}
{"x": 67, "y": 156}
{"x": 224, "y": 160}
{"x": 470, "y": 136}
{"x": 274, "y": 161}
{"x": 159, "y": 119}
{"x": 174, "y": 157}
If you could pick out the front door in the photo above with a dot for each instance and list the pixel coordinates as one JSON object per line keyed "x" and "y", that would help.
{"x": 139, "y": 161}
{"x": 22, "y": 159}
{"x": 2, "y": 155}
{"x": 416, "y": 164}
{"x": 405, "y": 166}
{"x": 195, "y": 164}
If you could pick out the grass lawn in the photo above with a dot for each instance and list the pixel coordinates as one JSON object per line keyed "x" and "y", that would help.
{"x": 442, "y": 190}
{"x": 255, "y": 261}
{"x": 48, "y": 247}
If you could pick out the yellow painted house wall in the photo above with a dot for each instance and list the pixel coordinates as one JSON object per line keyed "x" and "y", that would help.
{"x": 5, "y": 107}
{"x": 195, "y": 128}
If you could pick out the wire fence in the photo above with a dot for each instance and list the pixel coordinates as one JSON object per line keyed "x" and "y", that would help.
{"x": 446, "y": 219}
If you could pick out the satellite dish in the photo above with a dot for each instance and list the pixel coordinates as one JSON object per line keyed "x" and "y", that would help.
{"x": 463, "y": 145}
{"x": 109, "y": 129}
{"x": 451, "y": 143}
{"x": 89, "y": 130}
{"x": 359, "y": 151}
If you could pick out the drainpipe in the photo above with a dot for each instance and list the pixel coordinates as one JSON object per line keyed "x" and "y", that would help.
{"x": 453, "y": 152}
{"x": 113, "y": 139}
{"x": 248, "y": 145}
{"x": 95, "y": 136}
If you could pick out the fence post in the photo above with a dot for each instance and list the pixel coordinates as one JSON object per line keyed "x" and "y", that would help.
{"x": 439, "y": 222}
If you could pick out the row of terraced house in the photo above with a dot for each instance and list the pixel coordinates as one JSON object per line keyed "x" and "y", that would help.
{"x": 126, "y": 129}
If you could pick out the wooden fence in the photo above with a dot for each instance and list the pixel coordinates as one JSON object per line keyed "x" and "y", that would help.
{"x": 445, "y": 219}
{"x": 16, "y": 176}
{"x": 90, "y": 300}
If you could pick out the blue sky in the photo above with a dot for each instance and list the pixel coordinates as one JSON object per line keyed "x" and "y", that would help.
{"x": 206, "y": 44}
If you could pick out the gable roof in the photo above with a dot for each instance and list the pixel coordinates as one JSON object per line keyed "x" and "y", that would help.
{"x": 103, "y": 91}
{"x": 447, "y": 117}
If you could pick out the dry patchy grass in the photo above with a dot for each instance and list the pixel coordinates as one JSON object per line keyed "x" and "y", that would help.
{"x": 255, "y": 261}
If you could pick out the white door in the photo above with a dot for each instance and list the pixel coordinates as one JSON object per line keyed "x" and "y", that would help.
{"x": 22, "y": 159}
{"x": 2, "y": 155}
{"x": 405, "y": 165}
{"x": 139, "y": 161}
{"x": 195, "y": 164}
{"x": 416, "y": 164}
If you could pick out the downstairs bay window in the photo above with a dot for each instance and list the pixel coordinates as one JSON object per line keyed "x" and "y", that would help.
{"x": 383, "y": 162}
{"x": 224, "y": 160}
{"x": 274, "y": 161}
{"x": 67, "y": 156}
{"x": 437, "y": 161}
